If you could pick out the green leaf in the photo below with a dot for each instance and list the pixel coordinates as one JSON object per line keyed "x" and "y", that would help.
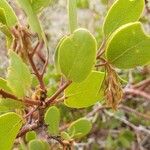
{"x": 77, "y": 56}
{"x": 11, "y": 18}
{"x": 52, "y": 118}
{"x": 80, "y": 128}
{"x": 128, "y": 47}
{"x": 38, "y": 145}
{"x": 31, "y": 135}
{"x": 56, "y": 55}
{"x": 4, "y": 86}
{"x": 2, "y": 16}
{"x": 86, "y": 93}
{"x": 10, "y": 104}
{"x": 19, "y": 77}
{"x": 32, "y": 18}
{"x": 6, "y": 31}
{"x": 4, "y": 28}
{"x": 10, "y": 125}
{"x": 38, "y": 5}
{"x": 122, "y": 12}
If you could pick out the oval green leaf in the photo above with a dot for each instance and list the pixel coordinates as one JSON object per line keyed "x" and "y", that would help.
{"x": 19, "y": 78}
{"x": 128, "y": 47}
{"x": 10, "y": 125}
{"x": 57, "y": 54}
{"x": 79, "y": 128}
{"x": 38, "y": 145}
{"x": 52, "y": 119}
{"x": 77, "y": 55}
{"x": 31, "y": 135}
{"x": 122, "y": 12}
{"x": 86, "y": 93}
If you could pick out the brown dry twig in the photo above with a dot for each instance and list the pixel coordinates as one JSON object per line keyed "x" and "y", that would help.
{"x": 137, "y": 92}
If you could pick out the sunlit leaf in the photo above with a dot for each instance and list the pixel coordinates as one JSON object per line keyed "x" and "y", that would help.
{"x": 8, "y": 104}
{"x": 4, "y": 86}
{"x": 19, "y": 77}
{"x": 52, "y": 119}
{"x": 2, "y": 16}
{"x": 86, "y": 93}
{"x": 77, "y": 55}
{"x": 79, "y": 128}
{"x": 122, "y": 12}
{"x": 128, "y": 47}
{"x": 38, "y": 145}
{"x": 31, "y": 135}
{"x": 10, "y": 125}
{"x": 57, "y": 54}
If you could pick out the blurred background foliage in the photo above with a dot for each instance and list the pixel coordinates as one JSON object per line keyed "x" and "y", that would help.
{"x": 108, "y": 132}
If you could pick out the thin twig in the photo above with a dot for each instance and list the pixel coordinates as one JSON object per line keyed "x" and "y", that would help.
{"x": 130, "y": 110}
{"x": 6, "y": 95}
{"x": 96, "y": 110}
{"x": 137, "y": 92}
{"x": 58, "y": 100}
{"x": 101, "y": 49}
{"x": 135, "y": 128}
{"x": 56, "y": 139}
{"x": 142, "y": 83}
{"x": 39, "y": 77}
{"x": 100, "y": 65}
{"x": 45, "y": 64}
{"x": 26, "y": 129}
{"x": 41, "y": 56}
{"x": 34, "y": 49}
{"x": 57, "y": 93}
{"x": 31, "y": 112}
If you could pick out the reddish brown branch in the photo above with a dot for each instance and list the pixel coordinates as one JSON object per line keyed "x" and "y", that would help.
{"x": 26, "y": 129}
{"x": 39, "y": 77}
{"x": 41, "y": 56}
{"x": 57, "y": 93}
{"x": 31, "y": 112}
{"x": 38, "y": 47}
{"x": 142, "y": 83}
{"x": 101, "y": 49}
{"x": 137, "y": 92}
{"x": 32, "y": 102}
{"x": 5, "y": 94}
{"x": 130, "y": 110}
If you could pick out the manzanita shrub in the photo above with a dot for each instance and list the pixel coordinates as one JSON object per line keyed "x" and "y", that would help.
{"x": 86, "y": 72}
